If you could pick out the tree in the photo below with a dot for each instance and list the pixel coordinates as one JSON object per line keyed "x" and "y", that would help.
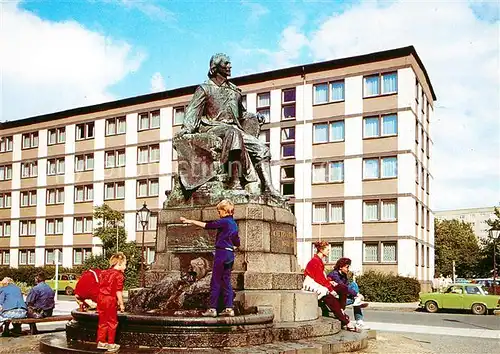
{"x": 455, "y": 241}
{"x": 112, "y": 233}
{"x": 486, "y": 263}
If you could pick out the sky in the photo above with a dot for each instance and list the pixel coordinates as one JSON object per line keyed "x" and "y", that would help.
{"x": 60, "y": 54}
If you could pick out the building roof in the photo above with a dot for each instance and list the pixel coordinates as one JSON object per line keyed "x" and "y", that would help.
{"x": 465, "y": 211}
{"x": 241, "y": 80}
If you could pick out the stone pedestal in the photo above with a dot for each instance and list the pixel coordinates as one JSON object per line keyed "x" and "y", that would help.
{"x": 265, "y": 271}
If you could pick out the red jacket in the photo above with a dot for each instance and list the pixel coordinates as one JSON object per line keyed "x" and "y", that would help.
{"x": 316, "y": 270}
{"x": 111, "y": 281}
{"x": 88, "y": 285}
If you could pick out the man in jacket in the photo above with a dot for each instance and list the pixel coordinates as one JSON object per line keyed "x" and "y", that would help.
{"x": 12, "y": 304}
{"x": 41, "y": 297}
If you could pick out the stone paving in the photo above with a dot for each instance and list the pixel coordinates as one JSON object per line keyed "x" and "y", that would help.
{"x": 385, "y": 343}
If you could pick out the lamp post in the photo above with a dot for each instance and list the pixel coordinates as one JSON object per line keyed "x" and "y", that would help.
{"x": 495, "y": 234}
{"x": 143, "y": 215}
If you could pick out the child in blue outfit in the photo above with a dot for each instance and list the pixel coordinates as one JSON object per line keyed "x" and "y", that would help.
{"x": 226, "y": 241}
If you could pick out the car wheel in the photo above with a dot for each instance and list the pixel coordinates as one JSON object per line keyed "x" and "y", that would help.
{"x": 479, "y": 309}
{"x": 69, "y": 290}
{"x": 431, "y": 306}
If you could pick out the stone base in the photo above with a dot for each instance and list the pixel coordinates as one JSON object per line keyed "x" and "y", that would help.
{"x": 287, "y": 305}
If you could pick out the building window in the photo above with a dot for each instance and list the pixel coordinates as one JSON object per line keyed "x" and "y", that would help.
{"x": 287, "y": 173}
{"x": 263, "y": 105}
{"x": 4, "y": 257}
{"x": 328, "y": 212}
{"x": 5, "y": 229}
{"x": 82, "y": 225}
{"x": 54, "y": 226}
{"x": 56, "y": 136}
{"x": 55, "y": 166}
{"x": 288, "y": 189}
{"x": 5, "y": 200}
{"x": 27, "y": 228}
{"x": 336, "y": 252}
{"x": 385, "y": 125}
{"x": 30, "y": 140}
{"x": 384, "y": 167}
{"x": 288, "y": 142}
{"x": 6, "y": 143}
{"x": 150, "y": 255}
{"x": 149, "y": 120}
{"x": 329, "y": 92}
{"x": 115, "y": 158}
{"x": 370, "y": 252}
{"x": 151, "y": 226}
{"x": 50, "y": 256}
{"x": 147, "y": 188}
{"x": 179, "y": 113}
{"x": 389, "y": 251}
{"x": 81, "y": 254}
{"x": 380, "y": 84}
{"x": 288, "y": 104}
{"x": 84, "y": 193}
{"x": 265, "y": 136}
{"x": 114, "y": 190}
{"x": 328, "y": 172}
{"x": 55, "y": 196}
{"x": 84, "y": 162}
{"x": 26, "y": 257}
{"x": 380, "y": 210}
{"x": 328, "y": 132}
{"x": 29, "y": 169}
{"x": 146, "y": 154}
{"x": 85, "y": 131}
{"x": 5, "y": 172}
{"x": 28, "y": 198}
{"x": 288, "y": 134}
{"x": 116, "y": 126}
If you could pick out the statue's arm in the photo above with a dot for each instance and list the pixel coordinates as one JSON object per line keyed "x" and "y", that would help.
{"x": 194, "y": 111}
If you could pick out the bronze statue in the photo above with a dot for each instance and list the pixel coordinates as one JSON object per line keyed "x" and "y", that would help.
{"x": 220, "y": 140}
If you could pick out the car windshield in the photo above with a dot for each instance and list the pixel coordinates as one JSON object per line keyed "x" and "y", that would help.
{"x": 474, "y": 290}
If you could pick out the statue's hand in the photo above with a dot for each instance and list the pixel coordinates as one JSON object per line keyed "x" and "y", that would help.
{"x": 260, "y": 118}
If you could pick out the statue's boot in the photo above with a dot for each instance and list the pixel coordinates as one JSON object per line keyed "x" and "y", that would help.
{"x": 234, "y": 177}
{"x": 264, "y": 171}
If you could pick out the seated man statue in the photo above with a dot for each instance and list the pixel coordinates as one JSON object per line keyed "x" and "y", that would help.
{"x": 219, "y": 137}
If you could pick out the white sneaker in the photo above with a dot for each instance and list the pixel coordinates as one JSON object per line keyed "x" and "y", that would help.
{"x": 210, "y": 313}
{"x": 352, "y": 327}
{"x": 361, "y": 325}
{"x": 358, "y": 300}
{"x": 102, "y": 345}
{"x": 113, "y": 348}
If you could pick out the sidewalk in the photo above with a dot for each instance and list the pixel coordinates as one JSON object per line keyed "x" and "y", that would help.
{"x": 391, "y": 306}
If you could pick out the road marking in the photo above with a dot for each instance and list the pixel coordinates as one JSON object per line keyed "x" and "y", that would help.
{"x": 447, "y": 331}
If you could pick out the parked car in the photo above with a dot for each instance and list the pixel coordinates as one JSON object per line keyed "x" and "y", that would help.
{"x": 67, "y": 283}
{"x": 460, "y": 297}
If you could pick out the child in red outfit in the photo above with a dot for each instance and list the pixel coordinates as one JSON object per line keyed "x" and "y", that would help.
{"x": 327, "y": 290}
{"x": 87, "y": 289}
{"x": 110, "y": 295}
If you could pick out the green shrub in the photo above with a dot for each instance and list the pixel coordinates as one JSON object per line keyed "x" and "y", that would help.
{"x": 382, "y": 287}
{"x": 25, "y": 289}
{"x": 27, "y": 274}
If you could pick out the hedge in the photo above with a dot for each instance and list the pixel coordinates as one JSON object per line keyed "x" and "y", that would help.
{"x": 382, "y": 287}
{"x": 27, "y": 274}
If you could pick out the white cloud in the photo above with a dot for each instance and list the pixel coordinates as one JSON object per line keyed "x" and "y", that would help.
{"x": 255, "y": 11}
{"x": 150, "y": 9}
{"x": 50, "y": 66}
{"x": 460, "y": 50}
{"x": 157, "y": 83}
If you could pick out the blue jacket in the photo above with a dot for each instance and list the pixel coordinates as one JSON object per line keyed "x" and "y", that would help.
{"x": 41, "y": 297}
{"x": 11, "y": 298}
{"x": 340, "y": 278}
{"x": 227, "y": 232}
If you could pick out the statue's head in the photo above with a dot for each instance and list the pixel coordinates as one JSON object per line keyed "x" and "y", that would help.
{"x": 200, "y": 267}
{"x": 220, "y": 64}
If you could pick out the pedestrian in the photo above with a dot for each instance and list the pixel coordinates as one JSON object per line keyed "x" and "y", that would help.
{"x": 40, "y": 299}
{"x": 436, "y": 286}
{"x": 12, "y": 304}
{"x": 87, "y": 289}
{"x": 340, "y": 275}
{"x": 328, "y": 291}
{"x": 110, "y": 295}
{"x": 226, "y": 241}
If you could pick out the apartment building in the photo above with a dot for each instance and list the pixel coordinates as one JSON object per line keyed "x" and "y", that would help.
{"x": 477, "y": 217}
{"x": 350, "y": 144}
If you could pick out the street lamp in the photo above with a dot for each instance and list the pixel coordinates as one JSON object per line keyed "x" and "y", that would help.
{"x": 143, "y": 215}
{"x": 496, "y": 235}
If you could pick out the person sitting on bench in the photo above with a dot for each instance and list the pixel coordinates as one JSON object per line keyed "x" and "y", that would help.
{"x": 12, "y": 304}
{"x": 41, "y": 299}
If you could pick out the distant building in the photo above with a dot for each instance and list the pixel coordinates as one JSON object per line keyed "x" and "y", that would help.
{"x": 476, "y": 216}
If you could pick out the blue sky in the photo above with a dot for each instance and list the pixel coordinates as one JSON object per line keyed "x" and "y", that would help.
{"x": 57, "y": 55}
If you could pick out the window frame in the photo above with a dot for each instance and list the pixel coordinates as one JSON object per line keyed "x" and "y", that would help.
{"x": 6, "y": 169}
{"x": 328, "y": 213}
{"x": 86, "y": 188}
{"x": 84, "y": 220}
{"x": 329, "y": 99}
{"x": 287, "y": 104}
{"x": 4, "y": 198}
{"x": 116, "y": 186}
{"x": 379, "y": 167}
{"x": 148, "y": 182}
{"x": 32, "y": 137}
{"x": 380, "y": 85}
{"x": 32, "y": 167}
{"x": 6, "y": 143}
{"x": 116, "y": 121}
{"x": 30, "y": 194}
{"x": 86, "y": 129}
{"x": 380, "y": 204}
{"x": 150, "y": 115}
{"x": 329, "y": 125}
{"x": 174, "y": 114}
